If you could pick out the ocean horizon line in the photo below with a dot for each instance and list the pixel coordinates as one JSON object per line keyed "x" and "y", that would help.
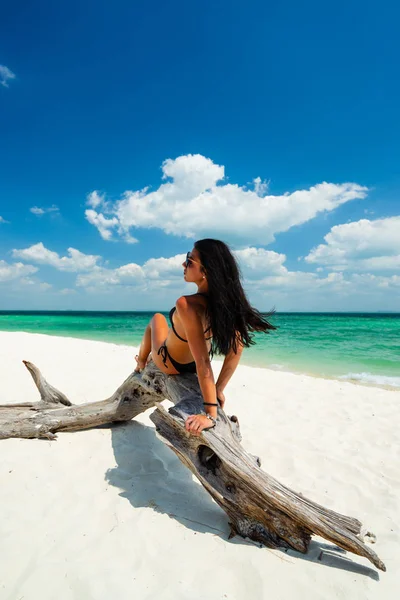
{"x": 283, "y": 312}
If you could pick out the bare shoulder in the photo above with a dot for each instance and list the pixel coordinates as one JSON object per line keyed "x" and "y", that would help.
{"x": 190, "y": 305}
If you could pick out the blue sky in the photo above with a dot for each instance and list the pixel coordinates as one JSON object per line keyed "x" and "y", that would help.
{"x": 246, "y": 109}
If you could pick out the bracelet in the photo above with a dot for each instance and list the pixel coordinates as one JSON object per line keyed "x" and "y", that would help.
{"x": 210, "y": 403}
{"x": 211, "y": 419}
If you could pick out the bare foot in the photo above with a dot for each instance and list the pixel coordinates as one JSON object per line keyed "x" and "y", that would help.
{"x": 140, "y": 364}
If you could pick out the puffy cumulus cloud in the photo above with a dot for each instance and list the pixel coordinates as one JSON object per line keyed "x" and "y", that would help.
{"x": 361, "y": 246}
{"x": 76, "y": 261}
{"x": 38, "y": 211}
{"x": 129, "y": 275}
{"x": 103, "y": 224}
{"x": 154, "y": 273}
{"x": 6, "y": 75}
{"x": 193, "y": 172}
{"x": 95, "y": 199}
{"x": 268, "y": 281}
{"x": 256, "y": 262}
{"x": 369, "y": 281}
{"x": 301, "y": 282}
{"x": 10, "y": 272}
{"x": 260, "y": 187}
{"x": 265, "y": 270}
{"x": 194, "y": 201}
{"x": 167, "y": 268}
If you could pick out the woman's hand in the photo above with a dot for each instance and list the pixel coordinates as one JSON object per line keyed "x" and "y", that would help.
{"x": 220, "y": 397}
{"x": 196, "y": 423}
{"x": 141, "y": 364}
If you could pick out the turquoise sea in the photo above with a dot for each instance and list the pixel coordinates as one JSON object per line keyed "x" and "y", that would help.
{"x": 360, "y": 347}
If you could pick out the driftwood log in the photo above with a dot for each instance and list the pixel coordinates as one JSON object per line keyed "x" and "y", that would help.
{"x": 258, "y": 506}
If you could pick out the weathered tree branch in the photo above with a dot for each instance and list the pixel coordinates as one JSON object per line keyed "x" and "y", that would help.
{"x": 258, "y": 506}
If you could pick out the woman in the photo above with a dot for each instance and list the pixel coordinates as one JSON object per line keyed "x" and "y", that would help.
{"x": 218, "y": 318}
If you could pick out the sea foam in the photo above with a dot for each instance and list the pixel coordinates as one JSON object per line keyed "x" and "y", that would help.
{"x": 372, "y": 379}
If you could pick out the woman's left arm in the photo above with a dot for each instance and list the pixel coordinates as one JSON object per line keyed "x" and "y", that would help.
{"x": 192, "y": 323}
{"x": 228, "y": 368}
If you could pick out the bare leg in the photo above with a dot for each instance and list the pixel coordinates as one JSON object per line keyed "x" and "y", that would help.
{"x": 154, "y": 335}
{"x": 144, "y": 350}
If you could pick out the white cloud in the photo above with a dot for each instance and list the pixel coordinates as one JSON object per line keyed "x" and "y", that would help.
{"x": 159, "y": 281}
{"x": 260, "y": 187}
{"x": 256, "y": 262}
{"x": 15, "y": 271}
{"x": 361, "y": 246}
{"x": 36, "y": 210}
{"x": 263, "y": 270}
{"x": 5, "y": 76}
{"x": 94, "y": 199}
{"x": 193, "y": 202}
{"x": 76, "y": 261}
{"x": 155, "y": 271}
{"x": 269, "y": 282}
{"x": 371, "y": 281}
{"x": 33, "y": 282}
{"x": 165, "y": 268}
{"x": 130, "y": 274}
{"x": 103, "y": 224}
{"x": 3, "y": 220}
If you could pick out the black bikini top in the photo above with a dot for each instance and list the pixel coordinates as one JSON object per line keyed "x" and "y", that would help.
{"x": 171, "y": 312}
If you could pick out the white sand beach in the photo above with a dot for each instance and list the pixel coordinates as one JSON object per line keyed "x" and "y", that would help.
{"x": 112, "y": 512}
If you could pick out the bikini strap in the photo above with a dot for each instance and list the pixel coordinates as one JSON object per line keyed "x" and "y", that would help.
{"x": 172, "y": 311}
{"x": 164, "y": 353}
{"x": 173, "y": 327}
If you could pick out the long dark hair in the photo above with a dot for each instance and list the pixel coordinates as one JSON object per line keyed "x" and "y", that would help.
{"x": 230, "y": 314}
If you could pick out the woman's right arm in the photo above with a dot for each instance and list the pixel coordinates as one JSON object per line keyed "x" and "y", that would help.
{"x": 193, "y": 326}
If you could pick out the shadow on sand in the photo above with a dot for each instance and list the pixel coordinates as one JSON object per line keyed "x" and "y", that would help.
{"x": 150, "y": 475}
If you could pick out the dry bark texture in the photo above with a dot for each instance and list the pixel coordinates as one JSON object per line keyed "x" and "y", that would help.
{"x": 258, "y": 506}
